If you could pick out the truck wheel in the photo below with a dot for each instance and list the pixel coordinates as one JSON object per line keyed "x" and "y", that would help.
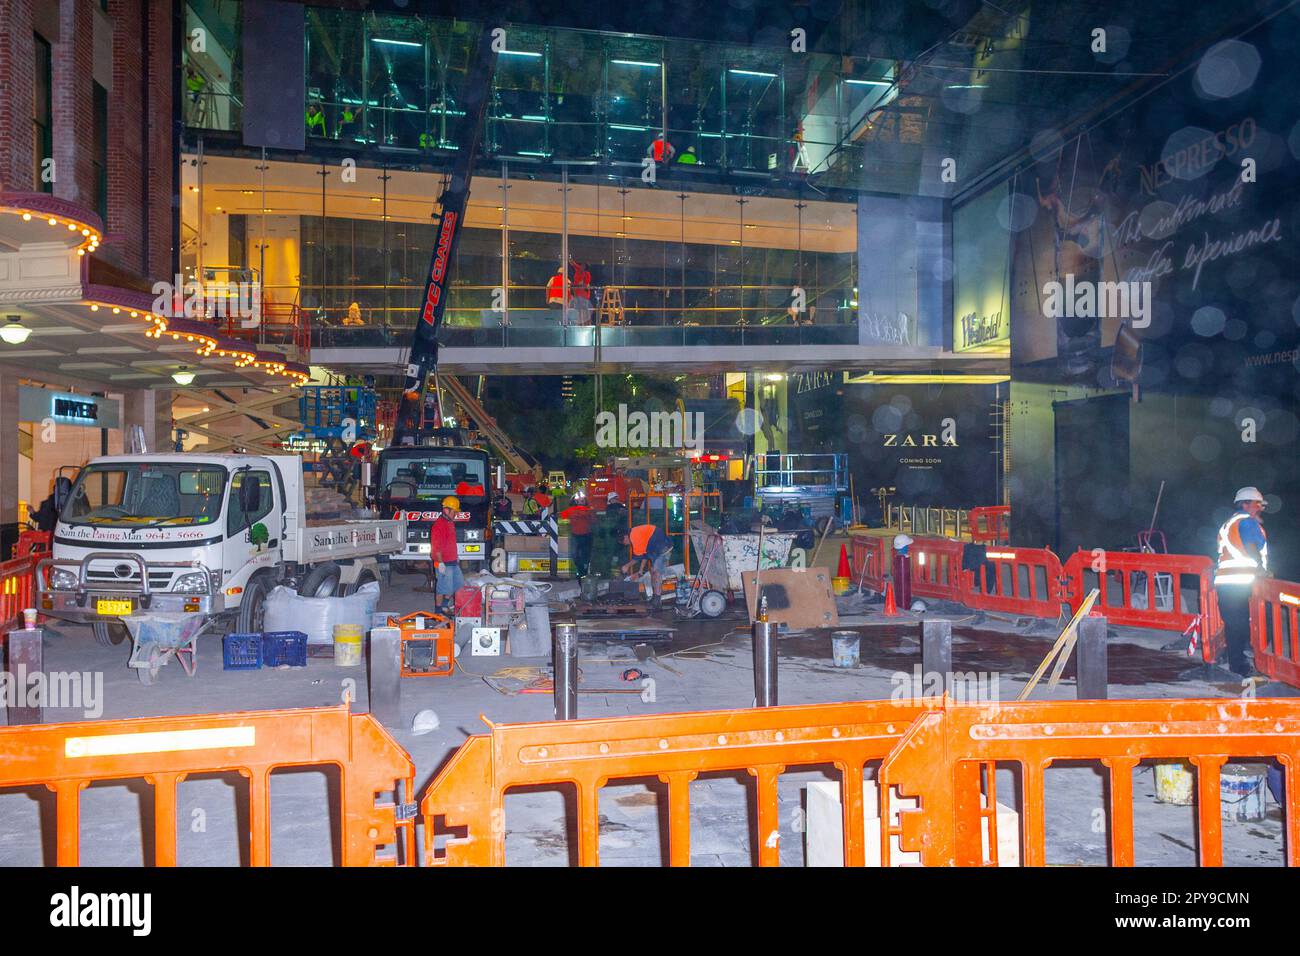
{"x": 108, "y": 633}
{"x": 252, "y": 606}
{"x": 366, "y": 576}
{"x": 321, "y": 581}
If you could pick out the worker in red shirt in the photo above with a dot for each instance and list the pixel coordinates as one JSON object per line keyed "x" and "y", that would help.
{"x": 555, "y": 295}
{"x": 580, "y": 518}
{"x": 445, "y": 558}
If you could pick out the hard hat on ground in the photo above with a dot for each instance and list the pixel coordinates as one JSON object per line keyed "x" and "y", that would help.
{"x": 1249, "y": 493}
{"x": 452, "y": 502}
{"x": 901, "y": 541}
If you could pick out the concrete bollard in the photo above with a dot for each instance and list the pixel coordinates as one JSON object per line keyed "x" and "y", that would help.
{"x": 1092, "y": 678}
{"x": 565, "y": 664}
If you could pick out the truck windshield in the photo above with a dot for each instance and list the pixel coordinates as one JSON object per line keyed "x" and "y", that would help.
{"x": 434, "y": 477}
{"x": 146, "y": 494}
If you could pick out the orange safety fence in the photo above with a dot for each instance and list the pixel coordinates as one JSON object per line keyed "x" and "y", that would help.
{"x": 468, "y": 794}
{"x": 1172, "y": 592}
{"x": 869, "y": 561}
{"x": 17, "y": 590}
{"x": 163, "y": 751}
{"x": 1274, "y": 634}
{"x": 948, "y": 754}
{"x": 1017, "y": 581}
{"x": 936, "y": 568}
{"x": 990, "y": 524}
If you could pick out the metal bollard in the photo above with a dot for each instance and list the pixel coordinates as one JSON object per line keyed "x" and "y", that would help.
{"x": 385, "y": 675}
{"x": 565, "y": 664}
{"x": 26, "y": 659}
{"x": 1091, "y": 675}
{"x": 764, "y": 664}
{"x": 936, "y": 651}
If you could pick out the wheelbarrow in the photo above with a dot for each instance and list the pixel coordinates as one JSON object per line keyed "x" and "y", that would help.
{"x": 159, "y": 637}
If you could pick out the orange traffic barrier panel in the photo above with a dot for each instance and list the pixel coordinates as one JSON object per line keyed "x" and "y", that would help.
{"x": 1149, "y": 590}
{"x": 66, "y": 758}
{"x": 1024, "y": 581}
{"x": 869, "y": 561}
{"x": 945, "y": 757}
{"x": 936, "y": 568}
{"x": 469, "y": 792}
{"x": 1275, "y": 629}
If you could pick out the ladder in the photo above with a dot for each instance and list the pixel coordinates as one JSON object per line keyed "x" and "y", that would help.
{"x": 518, "y": 460}
{"x": 611, "y": 306}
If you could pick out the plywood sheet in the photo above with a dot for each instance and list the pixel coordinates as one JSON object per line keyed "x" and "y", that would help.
{"x": 796, "y": 597}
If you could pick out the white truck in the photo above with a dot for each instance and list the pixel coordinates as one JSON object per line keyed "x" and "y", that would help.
{"x": 201, "y": 534}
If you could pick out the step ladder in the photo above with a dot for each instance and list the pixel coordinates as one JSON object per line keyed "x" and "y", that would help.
{"x": 611, "y": 306}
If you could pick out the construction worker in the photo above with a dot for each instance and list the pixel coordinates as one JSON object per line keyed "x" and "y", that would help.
{"x": 661, "y": 150}
{"x": 688, "y": 157}
{"x": 315, "y": 120}
{"x": 648, "y": 548}
{"x": 901, "y": 572}
{"x": 555, "y": 295}
{"x": 502, "y": 507}
{"x": 1243, "y": 559}
{"x": 531, "y": 507}
{"x": 445, "y": 558}
{"x": 580, "y": 518}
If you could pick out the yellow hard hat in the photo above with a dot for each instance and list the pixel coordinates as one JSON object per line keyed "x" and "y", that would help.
{"x": 452, "y": 502}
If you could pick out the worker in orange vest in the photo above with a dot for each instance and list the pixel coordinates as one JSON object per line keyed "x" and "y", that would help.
{"x": 1243, "y": 559}
{"x": 648, "y": 547}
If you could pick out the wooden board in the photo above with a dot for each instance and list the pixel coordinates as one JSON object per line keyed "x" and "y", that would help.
{"x": 796, "y": 597}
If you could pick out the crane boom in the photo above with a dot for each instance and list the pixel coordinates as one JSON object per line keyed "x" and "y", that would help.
{"x": 423, "y": 359}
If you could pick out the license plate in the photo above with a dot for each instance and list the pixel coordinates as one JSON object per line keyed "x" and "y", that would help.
{"x": 116, "y": 607}
{"x": 472, "y": 548}
{"x": 534, "y": 564}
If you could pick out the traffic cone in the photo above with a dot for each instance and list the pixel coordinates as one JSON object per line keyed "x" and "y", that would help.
{"x": 891, "y": 609}
{"x": 844, "y": 571}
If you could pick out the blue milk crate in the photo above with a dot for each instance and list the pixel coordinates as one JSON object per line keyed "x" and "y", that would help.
{"x": 284, "y": 648}
{"x": 241, "y": 652}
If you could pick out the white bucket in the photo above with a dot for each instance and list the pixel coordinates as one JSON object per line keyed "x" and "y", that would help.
{"x": 1241, "y": 791}
{"x": 1175, "y": 782}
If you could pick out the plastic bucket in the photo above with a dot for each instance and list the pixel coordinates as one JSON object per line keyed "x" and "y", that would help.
{"x": 347, "y": 645}
{"x": 1241, "y": 791}
{"x": 840, "y": 585}
{"x": 846, "y": 648}
{"x": 1175, "y": 782}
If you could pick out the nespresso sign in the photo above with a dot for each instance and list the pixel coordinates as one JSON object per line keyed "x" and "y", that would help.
{"x": 67, "y": 408}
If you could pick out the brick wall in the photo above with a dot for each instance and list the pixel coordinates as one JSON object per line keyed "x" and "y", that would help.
{"x": 17, "y": 57}
{"x": 74, "y": 113}
{"x": 138, "y": 231}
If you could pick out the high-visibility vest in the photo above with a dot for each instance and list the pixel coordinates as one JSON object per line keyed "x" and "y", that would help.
{"x": 1235, "y": 565}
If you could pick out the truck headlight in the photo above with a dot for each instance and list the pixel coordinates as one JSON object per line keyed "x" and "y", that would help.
{"x": 61, "y": 579}
{"x": 195, "y": 582}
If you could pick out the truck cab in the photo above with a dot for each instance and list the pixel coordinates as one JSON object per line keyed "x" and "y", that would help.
{"x": 411, "y": 483}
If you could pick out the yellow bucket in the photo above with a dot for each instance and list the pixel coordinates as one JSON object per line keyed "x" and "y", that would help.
{"x": 1175, "y": 782}
{"x": 841, "y": 585}
{"x": 347, "y": 645}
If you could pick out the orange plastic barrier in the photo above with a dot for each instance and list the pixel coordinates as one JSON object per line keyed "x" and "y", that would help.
{"x": 1148, "y": 590}
{"x": 33, "y": 542}
{"x": 873, "y": 551}
{"x": 165, "y": 750}
{"x": 1018, "y": 581}
{"x": 1275, "y": 630}
{"x": 989, "y": 525}
{"x": 469, "y": 792}
{"x": 944, "y": 757}
{"x": 17, "y": 590}
{"x": 936, "y": 568}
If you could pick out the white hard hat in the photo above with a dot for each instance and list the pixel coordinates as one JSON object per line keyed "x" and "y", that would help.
{"x": 1249, "y": 493}
{"x": 425, "y": 721}
{"x": 918, "y": 605}
{"x": 613, "y": 496}
{"x": 901, "y": 541}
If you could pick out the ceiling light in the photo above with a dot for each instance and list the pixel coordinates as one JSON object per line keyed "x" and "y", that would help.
{"x": 13, "y": 331}
{"x": 182, "y": 376}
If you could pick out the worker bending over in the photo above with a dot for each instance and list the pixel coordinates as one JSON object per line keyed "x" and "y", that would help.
{"x": 1243, "y": 559}
{"x": 445, "y": 558}
{"x": 647, "y": 546}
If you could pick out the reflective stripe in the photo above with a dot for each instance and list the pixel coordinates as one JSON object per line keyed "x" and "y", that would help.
{"x": 1230, "y": 556}
{"x": 1234, "y": 579}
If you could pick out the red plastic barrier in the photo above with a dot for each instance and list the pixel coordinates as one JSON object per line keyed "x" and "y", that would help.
{"x": 872, "y": 551}
{"x": 1275, "y": 629}
{"x": 1146, "y": 590}
{"x": 936, "y": 568}
{"x": 1018, "y": 581}
{"x": 17, "y": 590}
{"x": 989, "y": 525}
{"x": 33, "y": 542}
